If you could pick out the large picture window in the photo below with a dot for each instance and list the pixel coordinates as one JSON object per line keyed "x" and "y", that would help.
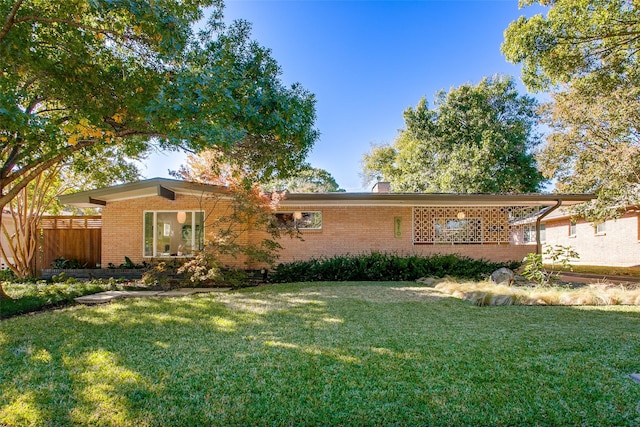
{"x": 173, "y": 233}
{"x": 299, "y": 220}
{"x": 454, "y": 230}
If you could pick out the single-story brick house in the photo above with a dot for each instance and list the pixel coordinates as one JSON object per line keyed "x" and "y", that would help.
{"x": 162, "y": 218}
{"x": 615, "y": 242}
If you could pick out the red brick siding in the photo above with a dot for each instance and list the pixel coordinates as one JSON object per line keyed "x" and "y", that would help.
{"x": 345, "y": 230}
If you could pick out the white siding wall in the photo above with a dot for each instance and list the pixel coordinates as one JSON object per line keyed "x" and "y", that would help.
{"x": 618, "y": 246}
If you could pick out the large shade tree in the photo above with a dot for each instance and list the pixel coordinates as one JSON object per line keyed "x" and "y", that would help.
{"x": 586, "y": 52}
{"x": 306, "y": 179}
{"x": 477, "y": 138}
{"x": 81, "y": 76}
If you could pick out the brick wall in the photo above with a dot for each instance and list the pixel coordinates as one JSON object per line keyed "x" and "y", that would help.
{"x": 355, "y": 230}
{"x": 345, "y": 230}
{"x": 618, "y": 246}
{"x": 123, "y": 224}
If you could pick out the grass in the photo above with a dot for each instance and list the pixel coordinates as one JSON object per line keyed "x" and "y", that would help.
{"x": 28, "y": 297}
{"x": 487, "y": 293}
{"x": 388, "y": 353}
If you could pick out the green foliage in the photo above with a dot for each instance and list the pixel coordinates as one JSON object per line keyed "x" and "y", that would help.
{"x": 40, "y": 295}
{"x": 129, "y": 265}
{"x": 305, "y": 180}
{"x": 535, "y": 270}
{"x": 85, "y": 80}
{"x": 577, "y": 39}
{"x": 62, "y": 263}
{"x": 561, "y": 256}
{"x": 377, "y": 266}
{"x": 586, "y": 52}
{"x": 477, "y": 139}
{"x": 7, "y": 275}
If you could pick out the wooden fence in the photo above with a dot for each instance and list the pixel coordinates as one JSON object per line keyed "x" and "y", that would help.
{"x": 71, "y": 237}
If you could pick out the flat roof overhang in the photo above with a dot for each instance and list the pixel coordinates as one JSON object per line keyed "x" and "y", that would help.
{"x": 432, "y": 199}
{"x": 168, "y": 188}
{"x": 162, "y": 187}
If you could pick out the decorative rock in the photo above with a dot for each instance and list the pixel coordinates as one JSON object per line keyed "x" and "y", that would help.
{"x": 503, "y": 276}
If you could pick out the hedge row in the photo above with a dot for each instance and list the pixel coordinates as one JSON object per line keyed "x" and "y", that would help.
{"x": 377, "y": 266}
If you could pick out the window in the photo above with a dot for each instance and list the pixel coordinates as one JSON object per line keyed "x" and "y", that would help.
{"x": 572, "y": 228}
{"x": 529, "y": 233}
{"x": 299, "y": 220}
{"x": 601, "y": 228}
{"x": 173, "y": 233}
{"x": 454, "y": 230}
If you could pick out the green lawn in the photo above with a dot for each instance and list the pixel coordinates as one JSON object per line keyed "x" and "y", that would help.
{"x": 320, "y": 354}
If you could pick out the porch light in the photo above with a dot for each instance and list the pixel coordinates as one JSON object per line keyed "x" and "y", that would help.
{"x": 297, "y": 215}
{"x": 182, "y": 217}
{"x": 461, "y": 215}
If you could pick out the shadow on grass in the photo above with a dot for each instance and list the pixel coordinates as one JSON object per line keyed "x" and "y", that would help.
{"x": 316, "y": 354}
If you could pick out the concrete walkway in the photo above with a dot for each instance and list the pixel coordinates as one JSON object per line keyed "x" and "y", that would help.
{"x": 108, "y": 296}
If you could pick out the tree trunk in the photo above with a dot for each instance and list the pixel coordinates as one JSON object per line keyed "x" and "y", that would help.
{"x": 3, "y": 294}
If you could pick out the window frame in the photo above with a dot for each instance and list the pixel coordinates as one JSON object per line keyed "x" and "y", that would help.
{"x": 573, "y": 228}
{"x": 282, "y": 225}
{"x": 600, "y": 228}
{"x": 194, "y": 239}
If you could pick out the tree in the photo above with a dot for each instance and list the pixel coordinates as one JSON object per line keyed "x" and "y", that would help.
{"x": 586, "y": 51}
{"x": 594, "y": 147}
{"x": 477, "y": 139}
{"x": 305, "y": 180}
{"x": 79, "y": 76}
{"x": 230, "y": 214}
{"x": 576, "y": 40}
{"x": 39, "y": 197}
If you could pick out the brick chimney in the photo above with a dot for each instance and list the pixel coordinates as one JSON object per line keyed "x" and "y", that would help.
{"x": 381, "y": 187}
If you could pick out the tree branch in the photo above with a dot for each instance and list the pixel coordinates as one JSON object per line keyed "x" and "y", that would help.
{"x": 10, "y": 19}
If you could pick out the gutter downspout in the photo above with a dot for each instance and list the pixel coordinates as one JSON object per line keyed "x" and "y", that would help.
{"x": 540, "y": 218}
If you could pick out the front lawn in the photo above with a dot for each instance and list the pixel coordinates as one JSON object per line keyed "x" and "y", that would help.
{"x": 355, "y": 353}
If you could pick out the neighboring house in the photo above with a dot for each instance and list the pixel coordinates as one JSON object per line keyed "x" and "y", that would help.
{"x": 162, "y": 218}
{"x": 7, "y": 222}
{"x": 615, "y": 242}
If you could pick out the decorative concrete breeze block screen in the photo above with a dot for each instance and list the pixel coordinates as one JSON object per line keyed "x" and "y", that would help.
{"x": 471, "y": 224}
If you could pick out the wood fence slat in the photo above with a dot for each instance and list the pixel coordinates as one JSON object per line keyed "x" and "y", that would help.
{"x": 78, "y": 238}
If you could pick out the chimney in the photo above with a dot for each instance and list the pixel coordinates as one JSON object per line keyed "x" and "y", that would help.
{"x": 381, "y": 187}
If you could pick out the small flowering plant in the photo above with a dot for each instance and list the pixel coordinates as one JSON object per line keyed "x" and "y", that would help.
{"x": 202, "y": 269}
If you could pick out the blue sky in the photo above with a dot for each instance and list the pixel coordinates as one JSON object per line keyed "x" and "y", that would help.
{"x": 367, "y": 61}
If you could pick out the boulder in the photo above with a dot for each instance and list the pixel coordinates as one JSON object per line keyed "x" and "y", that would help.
{"x": 503, "y": 276}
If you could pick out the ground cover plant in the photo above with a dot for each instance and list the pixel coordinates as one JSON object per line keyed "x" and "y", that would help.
{"x": 33, "y": 296}
{"x": 378, "y": 266}
{"x": 349, "y": 353}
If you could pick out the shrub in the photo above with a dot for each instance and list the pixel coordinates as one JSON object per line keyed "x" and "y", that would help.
{"x": 380, "y": 266}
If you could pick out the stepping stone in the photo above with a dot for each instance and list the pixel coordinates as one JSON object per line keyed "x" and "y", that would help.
{"x": 177, "y": 293}
{"x": 635, "y": 377}
{"x": 100, "y": 297}
{"x": 138, "y": 294}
